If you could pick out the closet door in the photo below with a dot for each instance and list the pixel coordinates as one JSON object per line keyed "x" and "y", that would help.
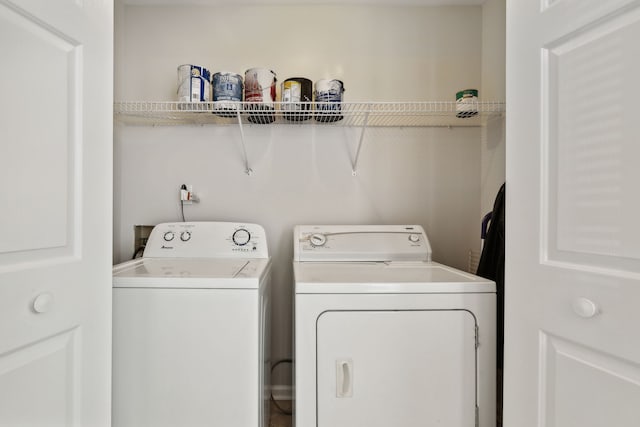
{"x": 572, "y": 354}
{"x": 56, "y": 203}
{"x": 396, "y": 368}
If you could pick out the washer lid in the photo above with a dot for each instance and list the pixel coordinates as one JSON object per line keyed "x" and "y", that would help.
{"x": 191, "y": 273}
{"x": 382, "y": 277}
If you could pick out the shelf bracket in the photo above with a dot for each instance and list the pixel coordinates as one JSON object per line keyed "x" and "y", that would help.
{"x": 247, "y": 169}
{"x": 354, "y": 165}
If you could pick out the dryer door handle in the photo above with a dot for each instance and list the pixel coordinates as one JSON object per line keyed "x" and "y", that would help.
{"x": 344, "y": 378}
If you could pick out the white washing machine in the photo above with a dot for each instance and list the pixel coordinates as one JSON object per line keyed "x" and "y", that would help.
{"x": 191, "y": 322}
{"x": 386, "y": 337}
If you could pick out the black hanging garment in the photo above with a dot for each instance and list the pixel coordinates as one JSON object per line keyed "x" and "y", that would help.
{"x": 491, "y": 266}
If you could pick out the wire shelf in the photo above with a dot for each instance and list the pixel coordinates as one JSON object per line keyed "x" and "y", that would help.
{"x": 364, "y": 114}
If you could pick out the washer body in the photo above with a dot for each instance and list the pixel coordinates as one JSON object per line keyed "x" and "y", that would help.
{"x": 384, "y": 336}
{"x": 191, "y": 329}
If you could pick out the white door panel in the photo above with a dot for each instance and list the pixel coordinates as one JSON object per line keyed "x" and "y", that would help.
{"x": 591, "y": 150}
{"x": 39, "y": 84}
{"x": 40, "y": 383}
{"x": 573, "y": 252}
{"x": 40, "y": 146}
{"x": 55, "y": 226}
{"x": 583, "y": 386}
{"x": 405, "y": 368}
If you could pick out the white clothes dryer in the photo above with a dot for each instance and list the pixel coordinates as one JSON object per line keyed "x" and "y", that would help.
{"x": 191, "y": 328}
{"x": 386, "y": 337}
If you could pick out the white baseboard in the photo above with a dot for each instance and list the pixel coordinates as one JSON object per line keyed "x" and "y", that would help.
{"x": 282, "y": 392}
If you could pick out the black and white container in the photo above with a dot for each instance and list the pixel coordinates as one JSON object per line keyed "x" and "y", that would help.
{"x": 328, "y": 100}
{"x": 297, "y": 97}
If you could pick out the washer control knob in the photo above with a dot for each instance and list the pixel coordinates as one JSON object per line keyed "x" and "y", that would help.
{"x": 168, "y": 236}
{"x": 241, "y": 237}
{"x": 318, "y": 239}
{"x": 185, "y": 236}
{"x": 414, "y": 238}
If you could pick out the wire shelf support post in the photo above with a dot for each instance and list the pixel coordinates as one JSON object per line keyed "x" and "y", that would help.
{"x": 247, "y": 169}
{"x": 354, "y": 164}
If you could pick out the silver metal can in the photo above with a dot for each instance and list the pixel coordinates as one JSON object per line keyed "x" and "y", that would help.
{"x": 193, "y": 84}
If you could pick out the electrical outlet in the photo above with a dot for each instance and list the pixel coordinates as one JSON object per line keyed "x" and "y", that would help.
{"x": 187, "y": 195}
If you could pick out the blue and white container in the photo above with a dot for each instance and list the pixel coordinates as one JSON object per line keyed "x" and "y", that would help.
{"x": 328, "y": 100}
{"x": 193, "y": 83}
{"x": 226, "y": 91}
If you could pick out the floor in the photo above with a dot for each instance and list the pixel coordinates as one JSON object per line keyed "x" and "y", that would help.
{"x": 278, "y": 419}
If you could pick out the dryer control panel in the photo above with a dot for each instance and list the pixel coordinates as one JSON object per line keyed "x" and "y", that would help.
{"x": 207, "y": 240}
{"x": 360, "y": 243}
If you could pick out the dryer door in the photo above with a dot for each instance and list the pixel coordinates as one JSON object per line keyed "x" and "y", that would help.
{"x": 402, "y": 368}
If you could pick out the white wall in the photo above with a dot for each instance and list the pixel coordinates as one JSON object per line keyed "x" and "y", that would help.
{"x": 493, "y": 160}
{"x": 382, "y": 53}
{"x": 302, "y": 174}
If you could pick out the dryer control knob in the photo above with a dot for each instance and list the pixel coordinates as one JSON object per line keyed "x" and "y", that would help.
{"x": 318, "y": 239}
{"x": 185, "y": 236}
{"x": 414, "y": 238}
{"x": 168, "y": 236}
{"x": 241, "y": 237}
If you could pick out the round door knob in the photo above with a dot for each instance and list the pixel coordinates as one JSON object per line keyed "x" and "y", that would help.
{"x": 43, "y": 302}
{"x": 584, "y": 307}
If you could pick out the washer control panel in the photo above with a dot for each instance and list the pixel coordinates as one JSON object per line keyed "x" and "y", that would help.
{"x": 207, "y": 239}
{"x": 361, "y": 243}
